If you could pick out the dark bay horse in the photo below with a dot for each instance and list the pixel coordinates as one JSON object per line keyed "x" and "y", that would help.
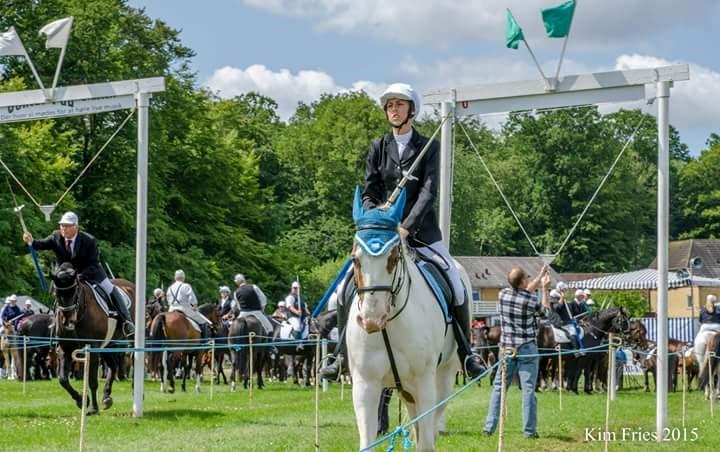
{"x": 238, "y": 339}
{"x": 596, "y": 327}
{"x": 178, "y": 331}
{"x": 37, "y": 327}
{"x": 80, "y": 317}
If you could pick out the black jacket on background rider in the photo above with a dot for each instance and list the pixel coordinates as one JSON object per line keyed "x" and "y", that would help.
{"x": 383, "y": 172}
{"x": 84, "y": 258}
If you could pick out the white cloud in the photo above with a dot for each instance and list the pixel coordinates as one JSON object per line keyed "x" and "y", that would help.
{"x": 283, "y": 86}
{"x": 694, "y": 103}
{"x": 598, "y": 24}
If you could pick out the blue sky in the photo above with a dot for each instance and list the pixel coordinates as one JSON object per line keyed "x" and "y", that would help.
{"x": 294, "y": 50}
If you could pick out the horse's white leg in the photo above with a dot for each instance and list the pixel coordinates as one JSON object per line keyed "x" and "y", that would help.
{"x": 425, "y": 398}
{"x": 366, "y": 397}
{"x": 444, "y": 389}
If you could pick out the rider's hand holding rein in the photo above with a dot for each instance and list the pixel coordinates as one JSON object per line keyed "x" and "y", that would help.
{"x": 27, "y": 238}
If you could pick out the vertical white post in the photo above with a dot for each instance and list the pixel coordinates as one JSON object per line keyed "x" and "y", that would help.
{"x": 143, "y": 103}
{"x": 323, "y": 356}
{"x": 663, "y": 222}
{"x": 446, "y": 151}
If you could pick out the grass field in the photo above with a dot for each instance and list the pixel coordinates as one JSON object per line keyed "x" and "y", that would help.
{"x": 281, "y": 418}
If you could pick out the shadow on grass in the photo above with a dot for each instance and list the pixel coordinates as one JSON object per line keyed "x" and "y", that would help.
{"x": 183, "y": 412}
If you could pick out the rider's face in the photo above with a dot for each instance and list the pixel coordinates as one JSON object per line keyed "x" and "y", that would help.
{"x": 397, "y": 111}
{"x": 68, "y": 230}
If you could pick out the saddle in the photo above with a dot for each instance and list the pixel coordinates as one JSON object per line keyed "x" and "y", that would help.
{"x": 103, "y": 299}
{"x": 563, "y": 337}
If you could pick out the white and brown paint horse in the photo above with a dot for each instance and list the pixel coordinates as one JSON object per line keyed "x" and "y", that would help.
{"x": 394, "y": 303}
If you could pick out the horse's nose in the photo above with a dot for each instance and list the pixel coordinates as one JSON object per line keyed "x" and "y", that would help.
{"x": 372, "y": 325}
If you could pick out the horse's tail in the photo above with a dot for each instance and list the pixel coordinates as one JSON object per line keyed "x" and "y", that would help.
{"x": 157, "y": 333}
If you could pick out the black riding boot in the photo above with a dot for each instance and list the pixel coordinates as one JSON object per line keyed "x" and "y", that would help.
{"x": 461, "y": 328}
{"x": 331, "y": 371}
{"x": 121, "y": 308}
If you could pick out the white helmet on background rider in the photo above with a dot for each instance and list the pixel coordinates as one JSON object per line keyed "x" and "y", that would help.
{"x": 561, "y": 286}
{"x": 405, "y": 92}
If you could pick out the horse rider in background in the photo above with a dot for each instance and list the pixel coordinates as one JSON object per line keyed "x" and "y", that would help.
{"x": 249, "y": 300}
{"x": 70, "y": 244}
{"x": 159, "y": 298}
{"x": 281, "y": 313}
{"x": 568, "y": 312}
{"x": 297, "y": 311}
{"x": 224, "y": 302}
{"x": 181, "y": 298}
{"x": 12, "y": 312}
{"x": 709, "y": 325}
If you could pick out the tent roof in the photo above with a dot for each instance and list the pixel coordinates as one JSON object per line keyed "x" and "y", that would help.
{"x": 642, "y": 280}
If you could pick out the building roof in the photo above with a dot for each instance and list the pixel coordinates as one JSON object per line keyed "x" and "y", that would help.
{"x": 682, "y": 251}
{"x": 491, "y": 271}
{"x": 641, "y": 280}
{"x": 568, "y": 277}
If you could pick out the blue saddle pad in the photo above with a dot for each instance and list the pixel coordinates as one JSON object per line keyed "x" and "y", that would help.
{"x": 438, "y": 285}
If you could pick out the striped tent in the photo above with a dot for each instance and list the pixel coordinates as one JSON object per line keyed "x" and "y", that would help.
{"x": 680, "y": 328}
{"x": 641, "y": 280}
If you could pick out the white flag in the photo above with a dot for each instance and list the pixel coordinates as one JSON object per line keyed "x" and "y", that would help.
{"x": 57, "y": 33}
{"x": 10, "y": 43}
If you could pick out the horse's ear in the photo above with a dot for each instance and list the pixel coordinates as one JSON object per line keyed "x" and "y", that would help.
{"x": 396, "y": 211}
{"x": 358, "y": 209}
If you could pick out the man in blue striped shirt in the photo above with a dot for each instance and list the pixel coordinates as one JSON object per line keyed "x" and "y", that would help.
{"x": 519, "y": 309}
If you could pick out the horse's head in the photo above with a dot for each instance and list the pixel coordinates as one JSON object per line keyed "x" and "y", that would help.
{"x": 378, "y": 262}
{"x": 615, "y": 320}
{"x": 212, "y": 312}
{"x": 637, "y": 333}
{"x": 67, "y": 294}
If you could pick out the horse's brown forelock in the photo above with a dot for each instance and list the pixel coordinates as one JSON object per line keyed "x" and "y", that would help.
{"x": 357, "y": 273}
{"x": 393, "y": 259}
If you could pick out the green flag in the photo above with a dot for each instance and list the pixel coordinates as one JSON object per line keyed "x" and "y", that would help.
{"x": 558, "y": 19}
{"x": 513, "y": 32}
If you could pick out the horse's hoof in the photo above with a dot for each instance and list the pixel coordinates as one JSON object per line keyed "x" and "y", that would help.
{"x": 171, "y": 390}
{"x": 107, "y": 403}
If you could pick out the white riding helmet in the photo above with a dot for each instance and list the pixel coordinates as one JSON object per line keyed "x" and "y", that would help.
{"x": 281, "y": 304}
{"x": 561, "y": 286}
{"x": 295, "y": 284}
{"x": 579, "y": 292}
{"x": 239, "y": 278}
{"x": 402, "y": 91}
{"x": 158, "y": 292}
{"x": 179, "y": 274}
{"x": 225, "y": 289}
{"x": 554, "y": 294}
{"x": 587, "y": 292}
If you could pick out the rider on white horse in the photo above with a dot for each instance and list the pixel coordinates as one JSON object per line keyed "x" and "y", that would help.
{"x": 389, "y": 158}
{"x": 709, "y": 325}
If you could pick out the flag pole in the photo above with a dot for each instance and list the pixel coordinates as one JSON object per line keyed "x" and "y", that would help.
{"x": 32, "y": 67}
{"x": 57, "y": 72}
{"x": 547, "y": 83}
{"x": 562, "y": 51}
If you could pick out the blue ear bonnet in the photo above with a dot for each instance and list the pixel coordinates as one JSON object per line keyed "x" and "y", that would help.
{"x": 376, "y": 228}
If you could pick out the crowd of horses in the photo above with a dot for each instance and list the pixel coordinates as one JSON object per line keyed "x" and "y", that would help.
{"x": 174, "y": 346}
{"x": 593, "y": 366}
